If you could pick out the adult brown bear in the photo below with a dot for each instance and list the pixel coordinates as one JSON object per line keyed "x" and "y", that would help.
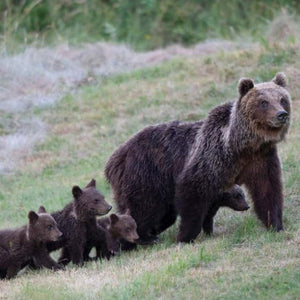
{"x": 183, "y": 168}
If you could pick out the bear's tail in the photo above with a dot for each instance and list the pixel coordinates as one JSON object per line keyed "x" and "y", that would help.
{"x": 114, "y": 168}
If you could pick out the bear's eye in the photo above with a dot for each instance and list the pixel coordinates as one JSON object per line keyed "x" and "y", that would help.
{"x": 127, "y": 229}
{"x": 264, "y": 104}
{"x": 283, "y": 102}
{"x": 50, "y": 227}
{"x": 96, "y": 200}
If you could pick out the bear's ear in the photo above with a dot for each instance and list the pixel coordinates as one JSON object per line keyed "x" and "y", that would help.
{"x": 245, "y": 84}
{"x": 127, "y": 212}
{"x": 92, "y": 183}
{"x": 280, "y": 79}
{"x": 76, "y": 191}
{"x": 42, "y": 210}
{"x": 33, "y": 217}
{"x": 113, "y": 219}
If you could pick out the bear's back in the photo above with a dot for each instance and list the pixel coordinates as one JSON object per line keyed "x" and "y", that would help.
{"x": 164, "y": 146}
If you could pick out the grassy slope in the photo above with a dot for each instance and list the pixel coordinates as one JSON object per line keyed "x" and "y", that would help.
{"x": 241, "y": 260}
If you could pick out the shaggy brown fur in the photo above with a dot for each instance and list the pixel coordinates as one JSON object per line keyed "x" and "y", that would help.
{"x": 77, "y": 220}
{"x": 185, "y": 167}
{"x": 159, "y": 212}
{"x": 18, "y": 247}
{"x": 111, "y": 231}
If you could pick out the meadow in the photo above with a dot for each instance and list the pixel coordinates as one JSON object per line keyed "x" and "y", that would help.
{"x": 242, "y": 260}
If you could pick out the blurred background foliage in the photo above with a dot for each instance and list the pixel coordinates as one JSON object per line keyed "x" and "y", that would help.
{"x": 144, "y": 24}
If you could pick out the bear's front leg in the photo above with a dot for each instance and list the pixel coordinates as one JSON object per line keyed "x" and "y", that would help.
{"x": 192, "y": 200}
{"x": 64, "y": 257}
{"x": 76, "y": 254}
{"x": 12, "y": 271}
{"x": 262, "y": 178}
{"x": 208, "y": 225}
{"x": 43, "y": 259}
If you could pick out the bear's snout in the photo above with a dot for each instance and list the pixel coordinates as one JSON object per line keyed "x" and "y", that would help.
{"x": 247, "y": 207}
{"x": 135, "y": 237}
{"x": 109, "y": 208}
{"x": 59, "y": 235}
{"x": 103, "y": 209}
{"x": 281, "y": 116}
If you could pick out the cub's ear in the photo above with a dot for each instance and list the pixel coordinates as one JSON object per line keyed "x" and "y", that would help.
{"x": 33, "y": 217}
{"x": 245, "y": 84}
{"x": 113, "y": 219}
{"x": 42, "y": 210}
{"x": 280, "y": 79}
{"x": 76, "y": 191}
{"x": 127, "y": 212}
{"x": 92, "y": 183}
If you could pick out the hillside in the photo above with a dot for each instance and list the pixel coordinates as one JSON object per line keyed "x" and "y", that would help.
{"x": 75, "y": 84}
{"x": 241, "y": 260}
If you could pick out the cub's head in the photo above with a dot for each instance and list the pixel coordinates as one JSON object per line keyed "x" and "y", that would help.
{"x": 88, "y": 202}
{"x": 266, "y": 106}
{"x": 42, "y": 227}
{"x": 123, "y": 227}
{"x": 235, "y": 199}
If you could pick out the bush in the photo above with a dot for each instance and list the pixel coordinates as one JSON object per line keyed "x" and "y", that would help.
{"x": 144, "y": 24}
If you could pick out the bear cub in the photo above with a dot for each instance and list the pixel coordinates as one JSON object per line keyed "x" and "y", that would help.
{"x": 233, "y": 198}
{"x": 119, "y": 228}
{"x": 112, "y": 231}
{"x": 77, "y": 221}
{"x": 20, "y": 246}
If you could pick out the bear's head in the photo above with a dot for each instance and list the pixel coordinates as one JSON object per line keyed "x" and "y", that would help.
{"x": 266, "y": 107}
{"x": 123, "y": 227}
{"x": 42, "y": 227}
{"x": 88, "y": 202}
{"x": 235, "y": 199}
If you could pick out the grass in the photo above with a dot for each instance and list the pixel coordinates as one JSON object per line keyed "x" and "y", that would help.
{"x": 241, "y": 260}
{"x": 146, "y": 24}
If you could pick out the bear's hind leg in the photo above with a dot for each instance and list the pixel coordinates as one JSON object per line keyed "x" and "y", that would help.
{"x": 2, "y": 274}
{"x": 146, "y": 222}
{"x": 168, "y": 220}
{"x": 12, "y": 271}
{"x": 190, "y": 227}
{"x": 146, "y": 237}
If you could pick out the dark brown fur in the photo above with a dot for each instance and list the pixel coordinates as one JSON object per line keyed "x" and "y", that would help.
{"x": 135, "y": 176}
{"x": 233, "y": 198}
{"x": 111, "y": 231}
{"x": 77, "y": 220}
{"x": 184, "y": 167}
{"x": 20, "y": 246}
{"x": 143, "y": 171}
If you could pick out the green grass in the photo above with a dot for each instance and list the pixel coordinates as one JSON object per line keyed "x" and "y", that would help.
{"x": 240, "y": 261}
{"x": 146, "y": 24}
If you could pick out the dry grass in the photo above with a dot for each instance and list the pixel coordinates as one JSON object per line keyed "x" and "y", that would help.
{"x": 177, "y": 271}
{"x": 39, "y": 77}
